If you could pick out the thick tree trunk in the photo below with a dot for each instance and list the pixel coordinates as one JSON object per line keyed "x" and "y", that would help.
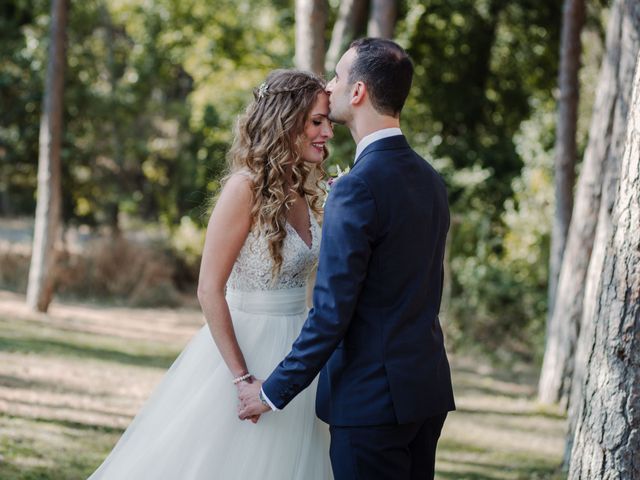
{"x": 607, "y": 439}
{"x": 382, "y": 18}
{"x": 311, "y": 19}
{"x": 565, "y": 147}
{"x": 351, "y": 19}
{"x": 48, "y": 209}
{"x": 629, "y": 48}
{"x": 606, "y": 131}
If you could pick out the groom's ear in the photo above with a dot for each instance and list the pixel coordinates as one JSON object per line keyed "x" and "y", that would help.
{"x": 358, "y": 93}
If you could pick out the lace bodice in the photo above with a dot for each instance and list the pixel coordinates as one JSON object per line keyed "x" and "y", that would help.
{"x": 252, "y": 270}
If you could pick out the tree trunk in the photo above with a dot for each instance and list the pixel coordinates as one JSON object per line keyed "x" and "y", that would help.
{"x": 5, "y": 201}
{"x": 565, "y": 147}
{"x": 311, "y": 19}
{"x": 607, "y": 439}
{"x": 351, "y": 19}
{"x": 113, "y": 208}
{"x": 629, "y": 32}
{"x": 48, "y": 209}
{"x": 606, "y": 131}
{"x": 382, "y": 18}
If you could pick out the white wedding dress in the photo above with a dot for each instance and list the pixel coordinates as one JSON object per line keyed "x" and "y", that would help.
{"x": 189, "y": 429}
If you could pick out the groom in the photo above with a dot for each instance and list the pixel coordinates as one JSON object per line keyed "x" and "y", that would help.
{"x": 385, "y": 386}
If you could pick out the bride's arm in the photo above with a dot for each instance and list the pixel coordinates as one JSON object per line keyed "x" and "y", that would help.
{"x": 227, "y": 231}
{"x": 311, "y": 282}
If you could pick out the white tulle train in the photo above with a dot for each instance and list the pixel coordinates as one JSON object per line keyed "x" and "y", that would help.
{"x": 189, "y": 429}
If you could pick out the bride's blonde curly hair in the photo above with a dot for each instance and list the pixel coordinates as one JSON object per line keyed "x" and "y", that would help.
{"x": 268, "y": 145}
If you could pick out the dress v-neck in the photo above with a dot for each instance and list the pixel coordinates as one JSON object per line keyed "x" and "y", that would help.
{"x": 309, "y": 246}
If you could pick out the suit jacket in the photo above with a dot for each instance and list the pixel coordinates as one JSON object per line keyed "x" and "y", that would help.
{"x": 374, "y": 328}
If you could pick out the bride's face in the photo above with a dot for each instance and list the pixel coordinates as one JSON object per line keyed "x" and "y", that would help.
{"x": 317, "y": 130}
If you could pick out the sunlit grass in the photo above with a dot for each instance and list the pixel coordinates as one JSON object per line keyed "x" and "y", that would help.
{"x": 70, "y": 382}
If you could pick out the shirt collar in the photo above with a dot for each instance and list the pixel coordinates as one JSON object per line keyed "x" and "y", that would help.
{"x": 375, "y": 136}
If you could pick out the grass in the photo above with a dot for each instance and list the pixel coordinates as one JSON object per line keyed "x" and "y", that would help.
{"x": 71, "y": 380}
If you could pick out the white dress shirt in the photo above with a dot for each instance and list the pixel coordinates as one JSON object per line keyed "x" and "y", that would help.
{"x": 375, "y": 136}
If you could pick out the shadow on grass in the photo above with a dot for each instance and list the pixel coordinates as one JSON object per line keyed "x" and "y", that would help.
{"x": 67, "y": 424}
{"x": 52, "y": 406}
{"x": 526, "y": 376}
{"x": 470, "y": 470}
{"x": 68, "y": 470}
{"x": 461, "y": 460}
{"x": 13, "y": 382}
{"x": 80, "y": 425}
{"x": 535, "y": 473}
{"x": 490, "y": 391}
{"x": 521, "y": 475}
{"x": 56, "y": 347}
{"x": 502, "y": 413}
{"x": 54, "y": 456}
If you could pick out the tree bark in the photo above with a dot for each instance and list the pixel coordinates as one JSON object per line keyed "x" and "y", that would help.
{"x": 382, "y": 18}
{"x": 565, "y": 147}
{"x": 5, "y": 201}
{"x": 311, "y": 20}
{"x": 628, "y": 48}
{"x": 606, "y": 134}
{"x": 607, "y": 439}
{"x": 113, "y": 210}
{"x": 48, "y": 207}
{"x": 351, "y": 19}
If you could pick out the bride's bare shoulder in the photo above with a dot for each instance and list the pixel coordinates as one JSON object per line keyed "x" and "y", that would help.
{"x": 234, "y": 201}
{"x": 238, "y": 184}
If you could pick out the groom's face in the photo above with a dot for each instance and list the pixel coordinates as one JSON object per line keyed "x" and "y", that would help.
{"x": 339, "y": 90}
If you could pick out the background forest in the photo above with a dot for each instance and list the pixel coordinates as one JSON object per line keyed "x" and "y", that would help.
{"x": 524, "y": 106}
{"x": 153, "y": 88}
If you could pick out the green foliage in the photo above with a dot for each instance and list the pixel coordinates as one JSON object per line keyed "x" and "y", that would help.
{"x": 478, "y": 64}
{"x": 500, "y": 290}
{"x": 128, "y": 119}
{"x": 153, "y": 90}
{"x": 481, "y": 66}
{"x": 22, "y": 64}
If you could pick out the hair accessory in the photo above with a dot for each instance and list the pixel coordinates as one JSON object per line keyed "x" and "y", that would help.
{"x": 263, "y": 89}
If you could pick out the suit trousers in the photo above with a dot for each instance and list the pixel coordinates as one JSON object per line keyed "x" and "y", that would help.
{"x": 386, "y": 452}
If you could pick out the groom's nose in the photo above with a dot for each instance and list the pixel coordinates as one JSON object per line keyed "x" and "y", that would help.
{"x": 329, "y": 87}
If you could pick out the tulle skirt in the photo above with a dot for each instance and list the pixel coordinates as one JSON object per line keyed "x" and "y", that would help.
{"x": 189, "y": 429}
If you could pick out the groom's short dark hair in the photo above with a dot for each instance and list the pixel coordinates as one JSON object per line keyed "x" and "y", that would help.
{"x": 386, "y": 70}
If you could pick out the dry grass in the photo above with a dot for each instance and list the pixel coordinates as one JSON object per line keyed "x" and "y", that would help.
{"x": 138, "y": 271}
{"x": 499, "y": 431}
{"x": 71, "y": 380}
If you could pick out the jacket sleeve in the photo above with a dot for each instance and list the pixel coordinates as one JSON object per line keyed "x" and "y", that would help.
{"x": 348, "y": 233}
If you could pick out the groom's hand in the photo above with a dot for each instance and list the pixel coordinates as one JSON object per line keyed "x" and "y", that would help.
{"x": 255, "y": 418}
{"x": 250, "y": 403}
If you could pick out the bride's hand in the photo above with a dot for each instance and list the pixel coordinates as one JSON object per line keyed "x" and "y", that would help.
{"x": 250, "y": 403}
{"x": 254, "y": 419}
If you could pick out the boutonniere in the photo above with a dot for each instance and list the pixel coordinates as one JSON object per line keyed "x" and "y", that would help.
{"x": 332, "y": 180}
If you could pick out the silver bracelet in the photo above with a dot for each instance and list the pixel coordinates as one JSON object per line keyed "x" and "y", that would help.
{"x": 241, "y": 378}
{"x": 264, "y": 400}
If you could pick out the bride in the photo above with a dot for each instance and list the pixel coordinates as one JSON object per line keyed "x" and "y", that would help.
{"x": 262, "y": 244}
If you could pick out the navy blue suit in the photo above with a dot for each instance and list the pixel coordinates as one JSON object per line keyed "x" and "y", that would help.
{"x": 374, "y": 331}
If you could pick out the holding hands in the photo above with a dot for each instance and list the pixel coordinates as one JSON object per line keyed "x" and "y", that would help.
{"x": 250, "y": 405}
